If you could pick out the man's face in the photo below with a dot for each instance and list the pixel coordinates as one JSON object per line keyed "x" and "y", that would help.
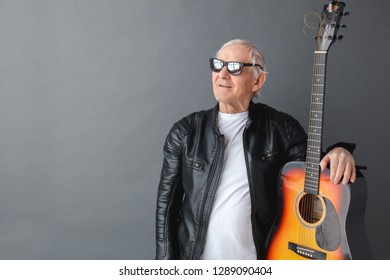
{"x": 234, "y": 93}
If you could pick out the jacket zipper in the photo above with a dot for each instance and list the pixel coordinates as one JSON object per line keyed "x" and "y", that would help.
{"x": 200, "y": 234}
{"x": 253, "y": 220}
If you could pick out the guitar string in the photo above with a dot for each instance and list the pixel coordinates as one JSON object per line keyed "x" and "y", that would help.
{"x": 309, "y": 200}
{"x": 307, "y": 205}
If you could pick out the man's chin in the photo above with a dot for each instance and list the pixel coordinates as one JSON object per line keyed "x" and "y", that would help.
{"x": 221, "y": 96}
{"x": 222, "y": 91}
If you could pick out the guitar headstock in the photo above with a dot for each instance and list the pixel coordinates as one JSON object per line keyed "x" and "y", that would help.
{"x": 330, "y": 24}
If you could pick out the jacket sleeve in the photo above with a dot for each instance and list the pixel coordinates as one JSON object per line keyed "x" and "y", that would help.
{"x": 296, "y": 138}
{"x": 169, "y": 197}
{"x": 350, "y": 147}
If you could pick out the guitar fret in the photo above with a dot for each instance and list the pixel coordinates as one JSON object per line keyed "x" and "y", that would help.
{"x": 312, "y": 188}
{"x": 312, "y": 165}
{"x": 311, "y": 180}
{"x": 312, "y": 160}
{"x": 315, "y": 170}
{"x": 314, "y": 141}
{"x": 311, "y": 183}
{"x": 311, "y": 168}
{"x": 314, "y": 155}
{"x": 316, "y": 147}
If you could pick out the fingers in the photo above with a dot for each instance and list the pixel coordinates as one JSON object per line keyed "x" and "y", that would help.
{"x": 349, "y": 174}
{"x": 324, "y": 162}
{"x": 342, "y": 170}
{"x": 342, "y": 166}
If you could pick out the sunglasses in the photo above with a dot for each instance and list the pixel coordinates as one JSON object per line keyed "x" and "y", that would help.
{"x": 233, "y": 67}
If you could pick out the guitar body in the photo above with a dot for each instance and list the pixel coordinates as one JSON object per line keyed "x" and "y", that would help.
{"x": 309, "y": 226}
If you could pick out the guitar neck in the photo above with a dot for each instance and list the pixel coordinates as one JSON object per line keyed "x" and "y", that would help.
{"x": 314, "y": 143}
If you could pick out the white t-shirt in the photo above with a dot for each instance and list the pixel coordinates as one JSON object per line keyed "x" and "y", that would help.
{"x": 229, "y": 233}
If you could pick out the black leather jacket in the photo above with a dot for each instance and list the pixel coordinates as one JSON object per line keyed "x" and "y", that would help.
{"x": 193, "y": 157}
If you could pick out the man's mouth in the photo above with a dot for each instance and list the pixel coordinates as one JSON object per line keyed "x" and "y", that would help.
{"x": 224, "y": 86}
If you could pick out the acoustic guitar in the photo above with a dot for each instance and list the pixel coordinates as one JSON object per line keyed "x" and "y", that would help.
{"x": 317, "y": 219}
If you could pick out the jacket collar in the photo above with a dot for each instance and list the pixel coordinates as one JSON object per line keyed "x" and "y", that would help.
{"x": 251, "y": 112}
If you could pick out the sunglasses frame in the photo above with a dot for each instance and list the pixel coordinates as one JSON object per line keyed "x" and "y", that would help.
{"x": 225, "y": 63}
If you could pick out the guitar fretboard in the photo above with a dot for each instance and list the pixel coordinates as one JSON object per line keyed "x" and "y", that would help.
{"x": 314, "y": 143}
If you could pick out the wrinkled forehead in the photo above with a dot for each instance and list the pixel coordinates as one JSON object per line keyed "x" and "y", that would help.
{"x": 238, "y": 53}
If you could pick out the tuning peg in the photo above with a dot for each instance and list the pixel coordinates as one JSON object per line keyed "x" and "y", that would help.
{"x": 340, "y": 37}
{"x": 346, "y": 14}
{"x": 343, "y": 26}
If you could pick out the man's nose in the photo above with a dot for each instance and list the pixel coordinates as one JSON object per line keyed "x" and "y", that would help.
{"x": 224, "y": 72}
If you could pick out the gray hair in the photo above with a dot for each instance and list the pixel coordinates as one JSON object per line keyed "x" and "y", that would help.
{"x": 256, "y": 57}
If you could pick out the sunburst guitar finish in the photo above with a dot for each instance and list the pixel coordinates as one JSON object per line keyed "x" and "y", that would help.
{"x": 310, "y": 226}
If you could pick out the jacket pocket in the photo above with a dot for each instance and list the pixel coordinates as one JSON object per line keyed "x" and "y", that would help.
{"x": 269, "y": 156}
{"x": 196, "y": 164}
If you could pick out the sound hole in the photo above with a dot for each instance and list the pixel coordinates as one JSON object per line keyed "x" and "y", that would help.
{"x": 311, "y": 208}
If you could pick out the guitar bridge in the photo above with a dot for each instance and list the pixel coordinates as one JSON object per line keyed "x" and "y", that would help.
{"x": 306, "y": 252}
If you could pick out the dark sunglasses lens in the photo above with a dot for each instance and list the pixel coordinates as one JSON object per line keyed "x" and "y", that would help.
{"x": 234, "y": 68}
{"x": 216, "y": 65}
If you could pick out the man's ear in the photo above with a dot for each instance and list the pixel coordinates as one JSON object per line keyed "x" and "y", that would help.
{"x": 259, "y": 82}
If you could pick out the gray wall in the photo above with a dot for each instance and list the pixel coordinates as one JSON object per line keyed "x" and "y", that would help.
{"x": 89, "y": 89}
